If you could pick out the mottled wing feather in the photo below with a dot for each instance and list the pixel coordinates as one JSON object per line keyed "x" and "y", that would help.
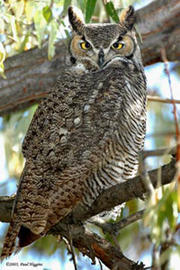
{"x": 61, "y": 146}
{"x": 70, "y": 123}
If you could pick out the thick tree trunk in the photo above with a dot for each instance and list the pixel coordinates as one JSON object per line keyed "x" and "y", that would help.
{"x": 158, "y": 24}
{"x": 30, "y": 74}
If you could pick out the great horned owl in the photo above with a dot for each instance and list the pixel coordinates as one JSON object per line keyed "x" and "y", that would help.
{"x": 86, "y": 134}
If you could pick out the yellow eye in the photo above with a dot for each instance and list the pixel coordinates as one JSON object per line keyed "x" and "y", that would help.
{"x": 117, "y": 45}
{"x": 85, "y": 45}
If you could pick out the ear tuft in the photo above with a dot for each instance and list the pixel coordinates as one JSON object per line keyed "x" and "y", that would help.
{"x": 75, "y": 21}
{"x": 127, "y": 17}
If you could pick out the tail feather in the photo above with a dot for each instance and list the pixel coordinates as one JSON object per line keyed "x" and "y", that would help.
{"x": 26, "y": 237}
{"x": 10, "y": 240}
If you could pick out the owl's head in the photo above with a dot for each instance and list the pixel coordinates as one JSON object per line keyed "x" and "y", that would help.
{"x": 97, "y": 46}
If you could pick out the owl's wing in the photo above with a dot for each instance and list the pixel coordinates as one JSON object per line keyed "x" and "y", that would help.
{"x": 36, "y": 129}
{"x": 79, "y": 112}
{"x": 64, "y": 143}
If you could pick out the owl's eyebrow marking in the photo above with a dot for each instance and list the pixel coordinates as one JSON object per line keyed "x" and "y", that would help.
{"x": 119, "y": 38}
{"x": 84, "y": 39}
{"x": 123, "y": 33}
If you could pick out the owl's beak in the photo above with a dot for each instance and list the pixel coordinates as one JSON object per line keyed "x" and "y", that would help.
{"x": 101, "y": 58}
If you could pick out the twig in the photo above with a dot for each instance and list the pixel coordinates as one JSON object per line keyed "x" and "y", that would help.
{"x": 93, "y": 246}
{"x": 51, "y": 4}
{"x": 114, "y": 228}
{"x": 144, "y": 174}
{"x": 159, "y": 134}
{"x": 177, "y": 227}
{"x": 162, "y": 100}
{"x": 159, "y": 152}
{"x": 165, "y": 60}
{"x": 72, "y": 249}
{"x": 164, "y": 246}
{"x": 100, "y": 264}
{"x": 155, "y": 258}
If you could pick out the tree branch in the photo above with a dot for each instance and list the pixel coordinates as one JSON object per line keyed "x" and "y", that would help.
{"x": 162, "y": 100}
{"x": 6, "y": 203}
{"x": 92, "y": 245}
{"x": 111, "y": 197}
{"x": 123, "y": 192}
{"x": 159, "y": 152}
{"x": 114, "y": 228}
{"x": 88, "y": 242}
{"x": 30, "y": 74}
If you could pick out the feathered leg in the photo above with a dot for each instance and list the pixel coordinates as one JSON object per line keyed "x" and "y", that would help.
{"x": 10, "y": 240}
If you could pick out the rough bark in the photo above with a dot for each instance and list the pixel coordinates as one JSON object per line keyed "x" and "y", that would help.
{"x": 88, "y": 242}
{"x": 116, "y": 195}
{"x": 94, "y": 246}
{"x": 30, "y": 74}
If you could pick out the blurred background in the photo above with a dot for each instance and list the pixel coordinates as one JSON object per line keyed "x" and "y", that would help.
{"x": 136, "y": 240}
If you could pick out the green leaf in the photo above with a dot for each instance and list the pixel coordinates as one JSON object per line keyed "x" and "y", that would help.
{"x": 14, "y": 129}
{"x": 2, "y": 26}
{"x": 161, "y": 214}
{"x": 47, "y": 13}
{"x": 30, "y": 9}
{"x": 12, "y": 20}
{"x": 172, "y": 209}
{"x": 2, "y": 71}
{"x": 2, "y": 58}
{"x": 40, "y": 26}
{"x": 2, "y": 53}
{"x": 68, "y": 36}
{"x": 52, "y": 38}
{"x": 23, "y": 44}
{"x": 18, "y": 9}
{"x": 90, "y": 6}
{"x": 81, "y": 4}
{"x": 67, "y": 3}
{"x": 110, "y": 9}
{"x": 59, "y": 3}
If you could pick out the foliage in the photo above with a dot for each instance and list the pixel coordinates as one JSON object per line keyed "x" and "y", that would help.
{"x": 13, "y": 130}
